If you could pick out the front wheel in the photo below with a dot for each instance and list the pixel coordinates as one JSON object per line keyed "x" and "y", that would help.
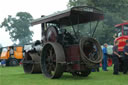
{"x": 52, "y": 59}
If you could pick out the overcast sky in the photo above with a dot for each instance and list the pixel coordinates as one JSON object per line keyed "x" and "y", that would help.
{"x": 35, "y": 7}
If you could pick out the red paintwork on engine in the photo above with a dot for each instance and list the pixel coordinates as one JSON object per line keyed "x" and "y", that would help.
{"x": 73, "y": 55}
{"x": 52, "y": 37}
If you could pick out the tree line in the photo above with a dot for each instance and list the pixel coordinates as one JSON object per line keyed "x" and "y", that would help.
{"x": 115, "y": 12}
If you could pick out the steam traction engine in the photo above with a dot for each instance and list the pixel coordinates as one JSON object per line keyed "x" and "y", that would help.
{"x": 121, "y": 37}
{"x": 64, "y": 48}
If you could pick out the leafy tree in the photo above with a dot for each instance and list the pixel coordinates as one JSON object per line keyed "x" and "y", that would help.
{"x": 18, "y": 27}
{"x": 114, "y": 13}
{"x": 73, "y": 3}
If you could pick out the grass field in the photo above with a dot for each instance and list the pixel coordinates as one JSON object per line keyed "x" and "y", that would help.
{"x": 16, "y": 76}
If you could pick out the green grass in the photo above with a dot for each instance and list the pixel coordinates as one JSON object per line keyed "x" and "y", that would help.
{"x": 16, "y": 76}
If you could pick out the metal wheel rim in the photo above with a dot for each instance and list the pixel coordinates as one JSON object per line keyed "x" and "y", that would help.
{"x": 56, "y": 68}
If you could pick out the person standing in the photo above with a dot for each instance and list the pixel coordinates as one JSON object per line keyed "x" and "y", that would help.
{"x": 104, "y": 62}
{"x": 115, "y": 58}
{"x": 125, "y": 67}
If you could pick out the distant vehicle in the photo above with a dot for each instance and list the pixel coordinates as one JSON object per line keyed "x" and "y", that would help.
{"x": 12, "y": 54}
{"x": 121, "y": 36}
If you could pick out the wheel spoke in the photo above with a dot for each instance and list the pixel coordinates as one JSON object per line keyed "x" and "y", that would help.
{"x": 48, "y": 61}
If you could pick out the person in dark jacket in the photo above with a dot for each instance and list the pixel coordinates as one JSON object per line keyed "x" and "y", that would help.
{"x": 115, "y": 58}
{"x": 125, "y": 67}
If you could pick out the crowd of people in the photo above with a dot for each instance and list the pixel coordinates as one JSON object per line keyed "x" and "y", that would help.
{"x": 115, "y": 58}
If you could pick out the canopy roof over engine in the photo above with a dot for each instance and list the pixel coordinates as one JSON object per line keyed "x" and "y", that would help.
{"x": 72, "y": 16}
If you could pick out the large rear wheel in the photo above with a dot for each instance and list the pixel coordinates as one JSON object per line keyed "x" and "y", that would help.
{"x": 91, "y": 52}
